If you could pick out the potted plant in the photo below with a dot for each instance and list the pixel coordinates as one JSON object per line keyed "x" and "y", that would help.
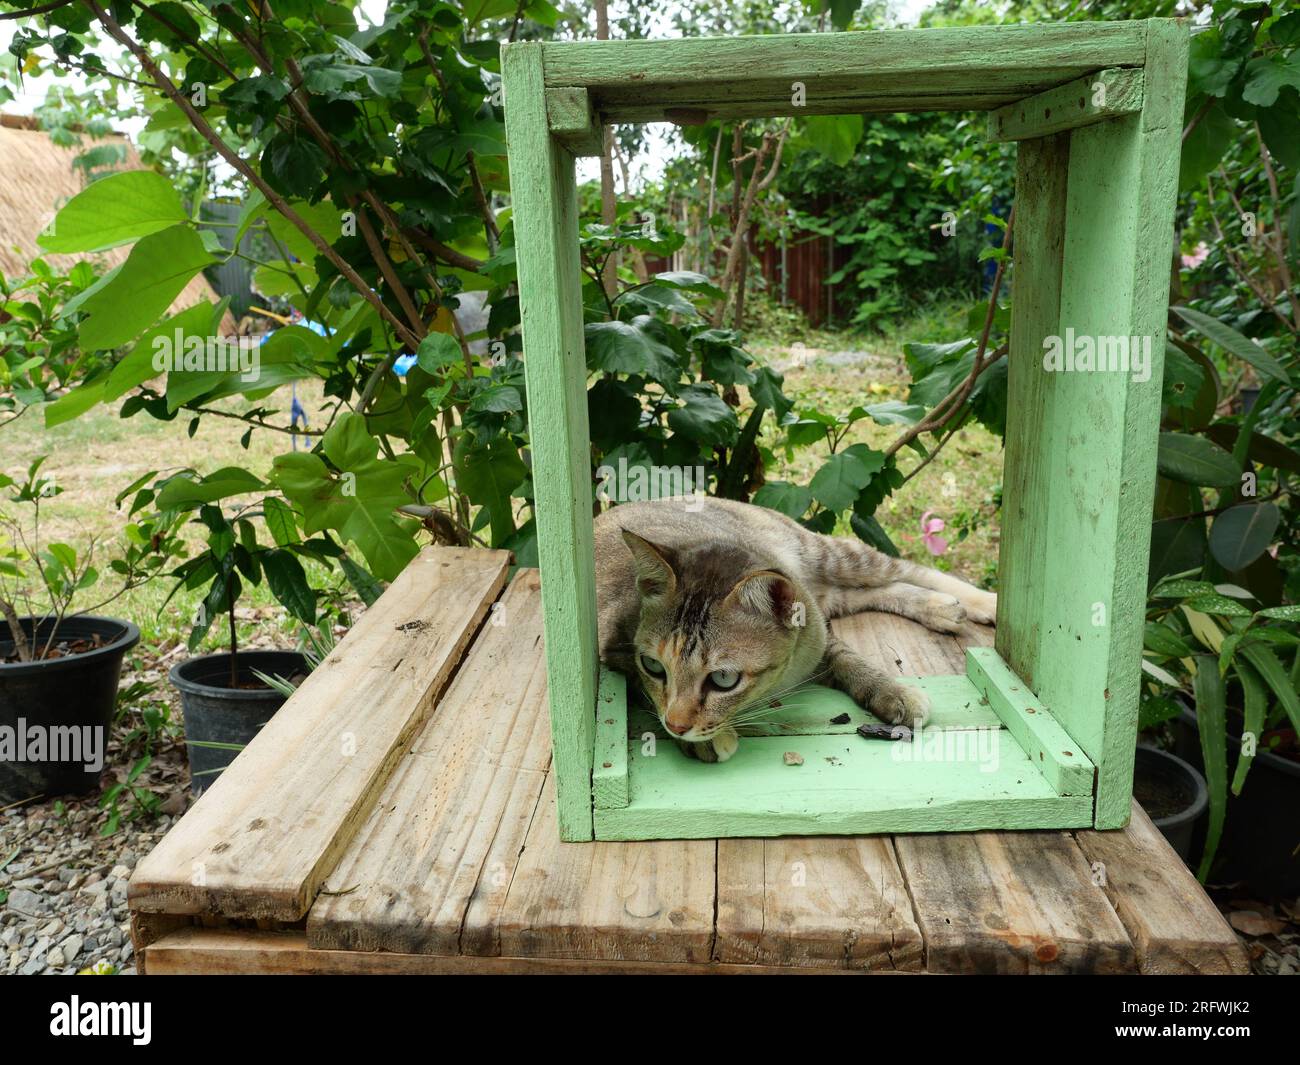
{"x": 59, "y": 668}
{"x": 225, "y": 696}
{"x": 1172, "y": 793}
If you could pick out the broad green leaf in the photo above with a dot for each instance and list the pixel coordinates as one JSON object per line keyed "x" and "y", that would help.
{"x": 1181, "y": 589}
{"x": 836, "y": 485}
{"x": 622, "y": 347}
{"x": 288, "y": 583}
{"x": 704, "y": 417}
{"x": 1195, "y": 460}
{"x": 437, "y": 351}
{"x": 1241, "y": 534}
{"x": 488, "y": 474}
{"x": 834, "y": 137}
{"x": 280, "y": 521}
{"x": 182, "y": 491}
{"x": 792, "y": 500}
{"x": 114, "y": 210}
{"x": 159, "y": 266}
{"x": 1281, "y": 613}
{"x": 1165, "y": 641}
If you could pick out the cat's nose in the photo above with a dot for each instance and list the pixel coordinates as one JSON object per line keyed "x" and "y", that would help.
{"x": 676, "y": 729}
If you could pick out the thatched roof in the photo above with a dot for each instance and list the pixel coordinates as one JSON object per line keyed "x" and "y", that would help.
{"x": 37, "y": 177}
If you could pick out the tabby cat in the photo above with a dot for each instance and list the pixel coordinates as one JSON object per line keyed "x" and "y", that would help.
{"x": 719, "y": 607}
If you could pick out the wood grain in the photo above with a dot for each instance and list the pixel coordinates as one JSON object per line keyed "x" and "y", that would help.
{"x": 609, "y": 901}
{"x": 1092, "y": 98}
{"x": 263, "y": 838}
{"x": 1172, "y": 922}
{"x": 450, "y": 824}
{"x": 815, "y": 901}
{"x": 1011, "y": 902}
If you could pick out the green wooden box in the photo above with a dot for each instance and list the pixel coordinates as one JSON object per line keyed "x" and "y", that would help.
{"x": 1097, "y": 110}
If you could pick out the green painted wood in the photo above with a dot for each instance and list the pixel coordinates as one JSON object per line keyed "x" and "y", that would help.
{"x": 1097, "y": 461}
{"x": 1042, "y": 172}
{"x": 846, "y": 785}
{"x": 1092, "y": 98}
{"x": 717, "y": 73}
{"x": 895, "y": 98}
{"x": 1039, "y": 734}
{"x": 573, "y": 122}
{"x": 609, "y": 773}
{"x": 546, "y": 247}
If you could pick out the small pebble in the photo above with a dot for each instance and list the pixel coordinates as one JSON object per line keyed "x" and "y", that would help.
{"x": 793, "y": 758}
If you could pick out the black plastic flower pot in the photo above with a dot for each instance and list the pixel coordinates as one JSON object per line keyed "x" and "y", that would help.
{"x": 55, "y": 713}
{"x": 1261, "y": 836}
{"x": 216, "y": 713}
{"x": 1173, "y": 794}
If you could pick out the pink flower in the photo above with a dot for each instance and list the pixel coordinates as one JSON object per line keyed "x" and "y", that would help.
{"x": 930, "y": 527}
{"x": 1198, "y": 256}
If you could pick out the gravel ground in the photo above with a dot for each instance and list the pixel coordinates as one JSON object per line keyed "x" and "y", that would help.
{"x": 62, "y": 883}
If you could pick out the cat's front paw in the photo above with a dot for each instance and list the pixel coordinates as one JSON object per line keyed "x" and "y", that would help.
{"x": 725, "y": 744}
{"x": 899, "y": 704}
{"x": 981, "y": 606}
{"x": 943, "y": 613}
{"x": 704, "y": 752}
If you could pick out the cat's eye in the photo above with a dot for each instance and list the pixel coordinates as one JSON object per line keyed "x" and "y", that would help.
{"x": 653, "y": 666}
{"x": 724, "y": 679}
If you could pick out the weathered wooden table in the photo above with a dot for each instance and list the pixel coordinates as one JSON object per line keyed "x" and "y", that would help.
{"x": 396, "y": 817}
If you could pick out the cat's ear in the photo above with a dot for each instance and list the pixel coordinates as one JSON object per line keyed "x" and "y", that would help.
{"x": 654, "y": 569}
{"x": 767, "y": 593}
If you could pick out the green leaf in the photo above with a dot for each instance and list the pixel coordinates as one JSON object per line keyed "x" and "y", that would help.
{"x": 1255, "y": 698}
{"x": 1218, "y": 604}
{"x": 1181, "y": 589}
{"x": 288, "y": 583}
{"x": 1266, "y": 76}
{"x": 622, "y": 347}
{"x": 437, "y": 351}
{"x": 1241, "y": 534}
{"x": 497, "y": 399}
{"x": 114, "y": 210}
{"x": 836, "y": 485}
{"x": 361, "y": 580}
{"x": 280, "y": 521}
{"x": 834, "y": 137}
{"x": 181, "y": 491}
{"x": 1281, "y": 613}
{"x": 704, "y": 417}
{"x": 792, "y": 500}
{"x": 1196, "y": 460}
{"x": 1265, "y": 660}
{"x": 159, "y": 266}
{"x": 1165, "y": 641}
{"x": 1211, "y": 719}
{"x": 488, "y": 474}
{"x": 1234, "y": 343}
{"x": 870, "y": 531}
{"x": 895, "y": 412}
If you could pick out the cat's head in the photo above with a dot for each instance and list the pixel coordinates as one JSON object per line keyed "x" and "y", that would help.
{"x": 716, "y": 635}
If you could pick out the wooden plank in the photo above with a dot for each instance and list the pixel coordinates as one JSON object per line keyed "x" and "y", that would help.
{"x": 1042, "y": 172}
{"x": 825, "y": 902}
{"x": 1172, "y": 922}
{"x": 1011, "y": 902}
{"x": 450, "y": 824}
{"x": 1048, "y": 746}
{"x": 690, "y": 112}
{"x": 1102, "y": 444}
{"x": 935, "y": 62}
{"x": 609, "y": 775}
{"x": 573, "y": 122}
{"x": 610, "y": 901}
{"x": 906, "y": 648}
{"x": 212, "y": 951}
{"x": 943, "y": 781}
{"x": 1092, "y": 98}
{"x": 545, "y": 203}
{"x": 264, "y": 837}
